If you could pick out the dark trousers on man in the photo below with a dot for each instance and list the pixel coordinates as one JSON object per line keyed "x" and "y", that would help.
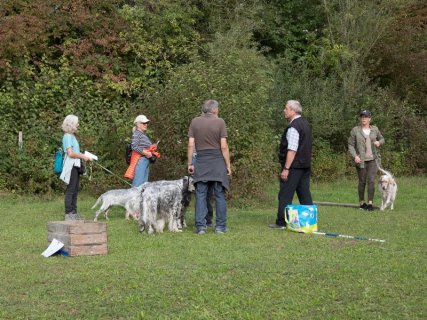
{"x": 299, "y": 182}
{"x": 72, "y": 191}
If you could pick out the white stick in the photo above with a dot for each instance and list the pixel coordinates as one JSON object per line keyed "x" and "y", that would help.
{"x": 346, "y": 236}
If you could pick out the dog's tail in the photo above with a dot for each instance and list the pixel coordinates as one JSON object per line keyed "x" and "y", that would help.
{"x": 386, "y": 172}
{"x": 382, "y": 170}
{"x": 97, "y": 202}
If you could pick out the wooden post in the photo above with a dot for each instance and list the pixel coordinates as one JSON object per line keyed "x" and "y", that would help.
{"x": 20, "y": 140}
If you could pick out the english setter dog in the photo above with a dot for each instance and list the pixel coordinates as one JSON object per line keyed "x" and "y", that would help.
{"x": 130, "y": 199}
{"x": 388, "y": 189}
{"x": 164, "y": 202}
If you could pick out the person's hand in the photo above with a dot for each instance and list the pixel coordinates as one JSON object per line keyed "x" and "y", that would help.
{"x": 148, "y": 154}
{"x": 190, "y": 169}
{"x": 357, "y": 159}
{"x": 284, "y": 175}
{"x": 87, "y": 158}
{"x": 377, "y": 144}
{"x": 228, "y": 171}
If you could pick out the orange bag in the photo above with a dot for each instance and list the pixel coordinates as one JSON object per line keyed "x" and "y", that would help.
{"x": 134, "y": 158}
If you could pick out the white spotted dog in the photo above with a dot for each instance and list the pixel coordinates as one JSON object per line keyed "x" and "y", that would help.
{"x": 164, "y": 202}
{"x": 130, "y": 199}
{"x": 388, "y": 189}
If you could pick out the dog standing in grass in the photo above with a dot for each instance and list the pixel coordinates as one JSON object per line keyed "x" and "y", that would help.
{"x": 388, "y": 189}
{"x": 165, "y": 202}
{"x": 130, "y": 199}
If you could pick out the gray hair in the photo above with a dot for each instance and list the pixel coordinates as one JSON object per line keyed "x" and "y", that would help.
{"x": 70, "y": 124}
{"x": 295, "y": 106}
{"x": 209, "y": 106}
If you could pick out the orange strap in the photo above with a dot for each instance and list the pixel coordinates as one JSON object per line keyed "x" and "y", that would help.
{"x": 134, "y": 158}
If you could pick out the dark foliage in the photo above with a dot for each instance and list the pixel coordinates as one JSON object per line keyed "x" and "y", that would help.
{"x": 107, "y": 61}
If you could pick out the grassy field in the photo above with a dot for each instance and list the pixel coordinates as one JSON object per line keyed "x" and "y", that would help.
{"x": 251, "y": 272}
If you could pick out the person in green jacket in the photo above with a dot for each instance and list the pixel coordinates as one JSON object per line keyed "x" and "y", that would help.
{"x": 363, "y": 144}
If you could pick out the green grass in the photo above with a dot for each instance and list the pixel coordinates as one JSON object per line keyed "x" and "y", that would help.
{"x": 250, "y": 273}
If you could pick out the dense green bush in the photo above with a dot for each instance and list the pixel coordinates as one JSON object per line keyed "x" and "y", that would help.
{"x": 108, "y": 62}
{"x": 238, "y": 77}
{"x": 37, "y": 108}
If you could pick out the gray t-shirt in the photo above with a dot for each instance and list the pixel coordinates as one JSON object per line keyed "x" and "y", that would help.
{"x": 207, "y": 131}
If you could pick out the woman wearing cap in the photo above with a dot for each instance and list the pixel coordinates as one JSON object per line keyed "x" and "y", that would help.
{"x": 363, "y": 144}
{"x": 140, "y": 142}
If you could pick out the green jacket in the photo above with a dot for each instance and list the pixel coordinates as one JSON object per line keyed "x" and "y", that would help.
{"x": 357, "y": 145}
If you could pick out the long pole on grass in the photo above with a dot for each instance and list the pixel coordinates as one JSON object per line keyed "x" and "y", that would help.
{"x": 337, "y": 204}
{"x": 346, "y": 236}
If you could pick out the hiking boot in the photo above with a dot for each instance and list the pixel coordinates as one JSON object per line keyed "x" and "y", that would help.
{"x": 201, "y": 231}
{"x": 68, "y": 217}
{"x": 75, "y": 216}
{"x": 276, "y": 226}
{"x": 221, "y": 231}
{"x": 370, "y": 207}
{"x": 78, "y": 216}
{"x": 363, "y": 206}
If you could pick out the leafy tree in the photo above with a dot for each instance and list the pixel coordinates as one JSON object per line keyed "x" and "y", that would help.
{"x": 398, "y": 59}
{"x": 243, "y": 96}
{"x": 107, "y": 61}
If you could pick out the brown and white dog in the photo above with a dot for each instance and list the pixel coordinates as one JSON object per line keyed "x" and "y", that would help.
{"x": 388, "y": 189}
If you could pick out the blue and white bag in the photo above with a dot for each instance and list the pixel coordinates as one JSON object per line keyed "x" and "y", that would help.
{"x": 301, "y": 218}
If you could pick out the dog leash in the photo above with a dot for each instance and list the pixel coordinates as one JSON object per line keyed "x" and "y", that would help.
{"x": 109, "y": 171}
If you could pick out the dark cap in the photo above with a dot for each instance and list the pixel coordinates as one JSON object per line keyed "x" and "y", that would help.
{"x": 365, "y": 113}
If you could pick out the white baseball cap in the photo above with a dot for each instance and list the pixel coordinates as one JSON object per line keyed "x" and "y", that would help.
{"x": 141, "y": 118}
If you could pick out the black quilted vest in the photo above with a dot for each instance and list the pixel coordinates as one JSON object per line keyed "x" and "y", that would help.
{"x": 303, "y": 156}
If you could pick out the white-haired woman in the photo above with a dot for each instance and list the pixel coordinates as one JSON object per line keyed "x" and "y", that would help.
{"x": 73, "y": 166}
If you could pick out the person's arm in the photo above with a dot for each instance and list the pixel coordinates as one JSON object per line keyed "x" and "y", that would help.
{"x": 380, "y": 139}
{"x": 290, "y": 156}
{"x": 292, "y": 135}
{"x": 141, "y": 143}
{"x": 190, "y": 150}
{"x": 352, "y": 146}
{"x": 226, "y": 154}
{"x": 72, "y": 154}
{"x": 68, "y": 147}
{"x": 146, "y": 154}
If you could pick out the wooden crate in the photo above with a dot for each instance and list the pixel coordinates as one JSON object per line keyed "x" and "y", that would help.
{"x": 80, "y": 238}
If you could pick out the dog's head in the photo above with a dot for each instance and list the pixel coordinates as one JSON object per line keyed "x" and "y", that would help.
{"x": 386, "y": 181}
{"x": 189, "y": 184}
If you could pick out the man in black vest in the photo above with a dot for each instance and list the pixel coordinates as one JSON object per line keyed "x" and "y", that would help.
{"x": 295, "y": 160}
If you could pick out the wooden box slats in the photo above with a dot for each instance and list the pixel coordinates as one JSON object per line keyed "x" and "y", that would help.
{"x": 80, "y": 238}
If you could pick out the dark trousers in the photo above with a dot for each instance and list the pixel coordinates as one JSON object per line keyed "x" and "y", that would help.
{"x": 299, "y": 182}
{"x": 72, "y": 191}
{"x": 367, "y": 176}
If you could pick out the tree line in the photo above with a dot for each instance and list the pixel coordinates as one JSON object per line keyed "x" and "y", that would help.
{"x": 108, "y": 61}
